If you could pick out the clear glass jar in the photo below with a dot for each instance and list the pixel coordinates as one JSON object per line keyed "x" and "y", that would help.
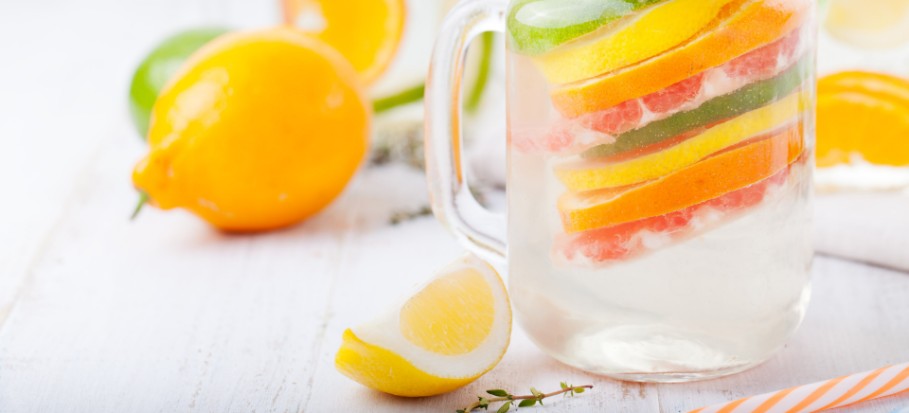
{"x": 659, "y": 177}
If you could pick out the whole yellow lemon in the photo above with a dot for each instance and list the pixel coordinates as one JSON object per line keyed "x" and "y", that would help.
{"x": 258, "y": 130}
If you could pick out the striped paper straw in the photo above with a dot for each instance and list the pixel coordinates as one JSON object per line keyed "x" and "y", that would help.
{"x": 824, "y": 395}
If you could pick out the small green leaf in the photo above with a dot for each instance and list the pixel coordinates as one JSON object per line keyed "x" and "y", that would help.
{"x": 564, "y": 386}
{"x": 498, "y": 392}
{"x": 527, "y": 403}
{"x": 536, "y": 393}
{"x": 579, "y": 390}
{"x": 504, "y": 408}
{"x": 143, "y": 199}
{"x": 460, "y": 411}
{"x": 484, "y": 403}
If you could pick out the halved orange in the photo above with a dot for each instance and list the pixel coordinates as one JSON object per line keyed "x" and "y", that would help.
{"x": 723, "y": 173}
{"x": 877, "y": 84}
{"x": 366, "y": 32}
{"x": 865, "y": 114}
{"x": 742, "y": 26}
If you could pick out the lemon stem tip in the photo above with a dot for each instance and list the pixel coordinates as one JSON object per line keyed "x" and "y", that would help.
{"x": 143, "y": 199}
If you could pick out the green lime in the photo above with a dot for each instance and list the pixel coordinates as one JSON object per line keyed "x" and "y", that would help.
{"x": 157, "y": 68}
{"x": 537, "y": 26}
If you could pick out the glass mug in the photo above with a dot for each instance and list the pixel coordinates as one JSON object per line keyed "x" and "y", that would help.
{"x": 660, "y": 160}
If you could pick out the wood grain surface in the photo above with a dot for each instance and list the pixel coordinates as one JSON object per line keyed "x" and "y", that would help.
{"x": 100, "y": 314}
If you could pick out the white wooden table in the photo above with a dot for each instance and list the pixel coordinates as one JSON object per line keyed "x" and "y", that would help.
{"x": 100, "y": 314}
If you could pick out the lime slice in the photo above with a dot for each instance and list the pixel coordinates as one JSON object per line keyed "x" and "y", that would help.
{"x": 537, "y": 26}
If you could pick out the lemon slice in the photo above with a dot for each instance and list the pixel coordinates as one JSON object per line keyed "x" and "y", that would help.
{"x": 452, "y": 331}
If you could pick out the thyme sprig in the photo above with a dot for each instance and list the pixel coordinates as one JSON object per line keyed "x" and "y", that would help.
{"x": 535, "y": 397}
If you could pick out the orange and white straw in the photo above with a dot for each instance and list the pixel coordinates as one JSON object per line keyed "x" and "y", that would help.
{"x": 839, "y": 392}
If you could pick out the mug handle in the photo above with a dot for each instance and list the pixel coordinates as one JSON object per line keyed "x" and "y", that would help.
{"x": 478, "y": 229}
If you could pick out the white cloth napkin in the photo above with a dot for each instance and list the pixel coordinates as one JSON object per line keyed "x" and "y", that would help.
{"x": 868, "y": 227}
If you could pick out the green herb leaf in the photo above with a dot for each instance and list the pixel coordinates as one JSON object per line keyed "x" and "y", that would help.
{"x": 498, "y": 392}
{"x": 536, "y": 393}
{"x": 460, "y": 411}
{"x": 504, "y": 408}
{"x": 579, "y": 390}
{"x": 484, "y": 403}
{"x": 527, "y": 403}
{"x": 564, "y": 386}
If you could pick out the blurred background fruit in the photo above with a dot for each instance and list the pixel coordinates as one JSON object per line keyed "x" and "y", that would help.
{"x": 869, "y": 23}
{"x": 863, "y": 117}
{"x": 366, "y": 32}
{"x": 157, "y": 68}
{"x": 250, "y": 152}
{"x": 863, "y": 57}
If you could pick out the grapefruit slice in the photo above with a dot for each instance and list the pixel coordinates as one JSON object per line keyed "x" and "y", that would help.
{"x": 710, "y": 178}
{"x": 743, "y": 25}
{"x": 675, "y": 96}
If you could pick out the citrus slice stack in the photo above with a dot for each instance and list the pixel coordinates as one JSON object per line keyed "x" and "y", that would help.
{"x": 366, "y": 32}
{"x": 741, "y": 26}
{"x": 711, "y": 178}
{"x": 673, "y": 116}
{"x": 630, "y": 40}
{"x": 452, "y": 331}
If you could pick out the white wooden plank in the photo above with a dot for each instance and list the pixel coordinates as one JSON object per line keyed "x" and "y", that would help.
{"x": 165, "y": 314}
{"x": 64, "y": 80}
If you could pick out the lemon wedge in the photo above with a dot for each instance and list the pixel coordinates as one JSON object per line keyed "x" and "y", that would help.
{"x": 452, "y": 331}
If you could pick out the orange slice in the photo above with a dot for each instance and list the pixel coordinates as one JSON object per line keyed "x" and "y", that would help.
{"x": 703, "y": 181}
{"x": 865, "y": 114}
{"x": 742, "y": 26}
{"x": 366, "y": 32}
